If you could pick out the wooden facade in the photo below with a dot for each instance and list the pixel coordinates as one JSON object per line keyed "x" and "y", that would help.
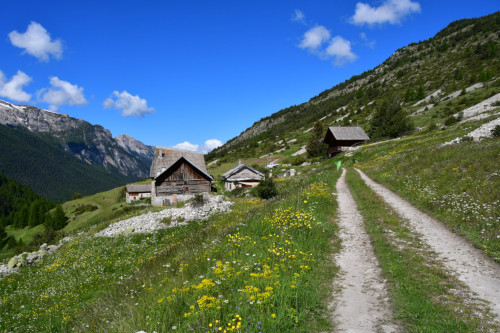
{"x": 182, "y": 178}
{"x": 177, "y": 175}
{"x": 341, "y": 137}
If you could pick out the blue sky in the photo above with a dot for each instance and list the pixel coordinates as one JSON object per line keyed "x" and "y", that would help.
{"x": 184, "y": 72}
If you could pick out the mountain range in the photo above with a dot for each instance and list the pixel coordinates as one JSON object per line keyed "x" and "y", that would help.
{"x": 84, "y": 158}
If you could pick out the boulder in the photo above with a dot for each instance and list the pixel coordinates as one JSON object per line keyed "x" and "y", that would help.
{"x": 12, "y": 263}
{"x": 207, "y": 208}
{"x": 42, "y": 253}
{"x": 43, "y": 246}
{"x": 52, "y": 248}
{"x": 130, "y": 229}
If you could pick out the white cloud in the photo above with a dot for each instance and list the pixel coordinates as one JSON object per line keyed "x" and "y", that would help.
{"x": 187, "y": 146}
{"x": 13, "y": 89}
{"x": 37, "y": 42}
{"x": 340, "y": 49}
{"x": 62, "y": 93}
{"x": 391, "y": 11}
{"x": 298, "y": 16}
{"x": 128, "y": 104}
{"x": 362, "y": 35}
{"x": 314, "y": 38}
{"x": 209, "y": 145}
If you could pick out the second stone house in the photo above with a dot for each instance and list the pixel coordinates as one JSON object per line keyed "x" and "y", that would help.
{"x": 242, "y": 175}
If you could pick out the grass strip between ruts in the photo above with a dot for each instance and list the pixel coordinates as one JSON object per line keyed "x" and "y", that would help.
{"x": 425, "y": 297}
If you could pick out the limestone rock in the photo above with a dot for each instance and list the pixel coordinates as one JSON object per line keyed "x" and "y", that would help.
{"x": 12, "y": 263}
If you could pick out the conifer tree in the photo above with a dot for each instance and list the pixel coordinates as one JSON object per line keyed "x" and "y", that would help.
{"x": 3, "y": 237}
{"x": 390, "y": 120}
{"x": 59, "y": 219}
{"x": 315, "y": 146}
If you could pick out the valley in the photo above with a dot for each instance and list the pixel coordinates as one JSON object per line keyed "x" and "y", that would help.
{"x": 397, "y": 234}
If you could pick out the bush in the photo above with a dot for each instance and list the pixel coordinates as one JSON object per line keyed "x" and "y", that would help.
{"x": 85, "y": 208}
{"x": 237, "y": 192}
{"x": 266, "y": 189}
{"x": 198, "y": 199}
{"x": 495, "y": 132}
{"x": 298, "y": 160}
{"x": 451, "y": 120}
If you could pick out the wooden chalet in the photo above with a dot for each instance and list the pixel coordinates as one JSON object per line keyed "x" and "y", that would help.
{"x": 137, "y": 192}
{"x": 338, "y": 138}
{"x": 241, "y": 175}
{"x": 177, "y": 175}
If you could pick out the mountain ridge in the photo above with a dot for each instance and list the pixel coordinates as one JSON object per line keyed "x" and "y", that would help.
{"x": 87, "y": 142}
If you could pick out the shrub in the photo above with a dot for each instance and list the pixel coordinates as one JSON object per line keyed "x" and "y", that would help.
{"x": 298, "y": 160}
{"x": 237, "y": 192}
{"x": 451, "y": 120}
{"x": 266, "y": 189}
{"x": 198, "y": 199}
{"x": 495, "y": 132}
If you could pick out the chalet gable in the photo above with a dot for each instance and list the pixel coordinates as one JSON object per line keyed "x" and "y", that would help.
{"x": 185, "y": 175}
{"x": 164, "y": 158}
{"x": 242, "y": 172}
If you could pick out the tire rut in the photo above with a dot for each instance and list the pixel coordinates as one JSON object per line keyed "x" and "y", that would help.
{"x": 470, "y": 265}
{"x": 361, "y": 303}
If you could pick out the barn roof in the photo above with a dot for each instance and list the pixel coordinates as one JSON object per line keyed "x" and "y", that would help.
{"x": 176, "y": 164}
{"x": 238, "y": 168}
{"x": 131, "y": 188}
{"x": 348, "y": 133}
{"x": 164, "y": 158}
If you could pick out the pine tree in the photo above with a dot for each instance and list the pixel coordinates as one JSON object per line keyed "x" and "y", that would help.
{"x": 390, "y": 120}
{"x": 49, "y": 222}
{"x": 3, "y": 237}
{"x": 60, "y": 219}
{"x": 315, "y": 146}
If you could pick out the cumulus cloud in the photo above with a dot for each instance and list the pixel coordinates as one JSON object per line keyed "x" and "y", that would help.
{"x": 129, "y": 105}
{"x": 13, "y": 89}
{"x": 314, "y": 38}
{"x": 187, "y": 146}
{"x": 298, "y": 16}
{"x": 340, "y": 49}
{"x": 391, "y": 11}
{"x": 62, "y": 93}
{"x": 209, "y": 145}
{"x": 37, "y": 42}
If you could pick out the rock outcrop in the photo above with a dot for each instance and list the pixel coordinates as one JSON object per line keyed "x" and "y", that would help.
{"x": 167, "y": 218}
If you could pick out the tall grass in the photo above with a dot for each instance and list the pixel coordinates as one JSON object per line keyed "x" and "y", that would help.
{"x": 458, "y": 184}
{"x": 263, "y": 266}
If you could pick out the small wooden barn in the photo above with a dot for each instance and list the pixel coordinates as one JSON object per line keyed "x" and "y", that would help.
{"x": 177, "y": 175}
{"x": 241, "y": 175}
{"x": 137, "y": 192}
{"x": 338, "y": 138}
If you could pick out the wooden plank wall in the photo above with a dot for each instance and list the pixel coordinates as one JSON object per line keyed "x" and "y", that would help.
{"x": 183, "y": 180}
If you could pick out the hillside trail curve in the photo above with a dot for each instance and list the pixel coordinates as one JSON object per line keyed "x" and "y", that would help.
{"x": 470, "y": 265}
{"x": 361, "y": 301}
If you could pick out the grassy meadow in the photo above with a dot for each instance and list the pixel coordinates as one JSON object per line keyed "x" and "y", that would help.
{"x": 457, "y": 184}
{"x": 252, "y": 269}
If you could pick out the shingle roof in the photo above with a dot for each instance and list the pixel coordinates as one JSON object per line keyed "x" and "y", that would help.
{"x": 138, "y": 188}
{"x": 165, "y": 157}
{"x": 348, "y": 133}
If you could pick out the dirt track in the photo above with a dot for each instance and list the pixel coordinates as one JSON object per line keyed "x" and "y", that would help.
{"x": 470, "y": 265}
{"x": 361, "y": 303}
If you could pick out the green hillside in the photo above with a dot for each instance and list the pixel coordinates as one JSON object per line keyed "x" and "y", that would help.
{"x": 49, "y": 171}
{"x": 461, "y": 55}
{"x": 273, "y": 265}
